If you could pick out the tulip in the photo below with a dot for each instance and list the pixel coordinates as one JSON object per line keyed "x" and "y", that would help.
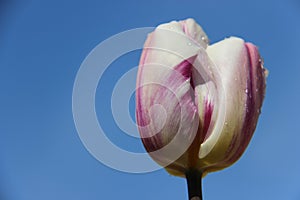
{"x": 197, "y": 105}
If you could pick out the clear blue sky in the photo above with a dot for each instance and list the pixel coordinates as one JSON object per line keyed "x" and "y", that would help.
{"x": 42, "y": 45}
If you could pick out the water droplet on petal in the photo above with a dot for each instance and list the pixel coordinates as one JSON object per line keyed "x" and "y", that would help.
{"x": 189, "y": 43}
{"x": 246, "y": 91}
{"x": 259, "y": 111}
{"x": 246, "y": 107}
{"x": 266, "y": 72}
{"x": 261, "y": 61}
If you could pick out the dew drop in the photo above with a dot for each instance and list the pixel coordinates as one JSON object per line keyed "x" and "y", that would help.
{"x": 246, "y": 91}
{"x": 189, "y": 43}
{"x": 235, "y": 79}
{"x": 266, "y": 72}
{"x": 246, "y": 107}
{"x": 259, "y": 111}
{"x": 256, "y": 90}
{"x": 261, "y": 61}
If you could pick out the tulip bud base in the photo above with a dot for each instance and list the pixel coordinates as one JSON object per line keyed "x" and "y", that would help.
{"x": 194, "y": 184}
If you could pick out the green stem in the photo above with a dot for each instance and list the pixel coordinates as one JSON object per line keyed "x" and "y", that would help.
{"x": 194, "y": 183}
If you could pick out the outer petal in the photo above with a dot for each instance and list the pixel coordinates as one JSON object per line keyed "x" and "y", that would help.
{"x": 166, "y": 112}
{"x": 243, "y": 80}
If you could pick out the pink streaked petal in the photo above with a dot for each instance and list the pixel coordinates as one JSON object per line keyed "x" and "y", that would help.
{"x": 171, "y": 90}
{"x": 169, "y": 45}
{"x": 230, "y": 57}
{"x": 207, "y": 92}
{"x": 244, "y": 85}
{"x": 195, "y": 32}
{"x": 256, "y": 84}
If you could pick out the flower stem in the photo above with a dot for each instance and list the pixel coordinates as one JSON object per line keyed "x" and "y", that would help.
{"x": 194, "y": 184}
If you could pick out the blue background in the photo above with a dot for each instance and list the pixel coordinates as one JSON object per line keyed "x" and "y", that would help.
{"x": 42, "y": 44}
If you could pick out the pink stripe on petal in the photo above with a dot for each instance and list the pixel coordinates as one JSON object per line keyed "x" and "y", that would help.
{"x": 255, "y": 94}
{"x": 208, "y": 111}
{"x": 184, "y": 68}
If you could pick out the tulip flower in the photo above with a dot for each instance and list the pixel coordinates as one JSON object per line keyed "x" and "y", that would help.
{"x": 197, "y": 105}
